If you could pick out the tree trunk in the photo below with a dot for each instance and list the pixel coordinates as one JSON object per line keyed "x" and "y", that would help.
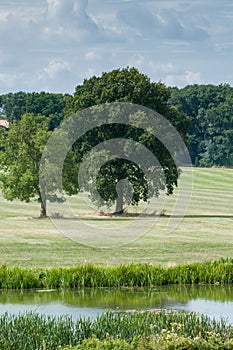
{"x": 43, "y": 211}
{"x": 119, "y": 203}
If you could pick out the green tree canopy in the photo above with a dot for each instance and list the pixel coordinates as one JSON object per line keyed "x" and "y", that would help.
{"x": 219, "y": 135}
{"x": 15, "y": 105}
{"x": 20, "y": 157}
{"x": 127, "y": 85}
{"x": 200, "y": 102}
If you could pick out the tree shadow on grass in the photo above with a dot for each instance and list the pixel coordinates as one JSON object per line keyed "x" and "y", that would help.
{"x": 126, "y": 216}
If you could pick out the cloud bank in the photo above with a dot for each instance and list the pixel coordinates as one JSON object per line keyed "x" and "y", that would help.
{"x": 53, "y": 45}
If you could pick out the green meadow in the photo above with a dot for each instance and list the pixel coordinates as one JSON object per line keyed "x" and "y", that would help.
{"x": 204, "y": 233}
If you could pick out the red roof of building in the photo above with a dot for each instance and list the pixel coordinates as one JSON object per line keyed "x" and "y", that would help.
{"x": 4, "y": 124}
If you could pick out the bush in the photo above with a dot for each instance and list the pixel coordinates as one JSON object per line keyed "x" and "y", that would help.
{"x": 165, "y": 341}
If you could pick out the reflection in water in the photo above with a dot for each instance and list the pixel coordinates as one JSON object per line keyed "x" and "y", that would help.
{"x": 212, "y": 300}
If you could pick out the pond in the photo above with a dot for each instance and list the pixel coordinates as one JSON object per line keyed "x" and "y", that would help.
{"x": 215, "y": 301}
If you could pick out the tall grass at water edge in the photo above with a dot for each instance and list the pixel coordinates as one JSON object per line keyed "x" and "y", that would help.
{"x": 133, "y": 275}
{"x": 32, "y": 331}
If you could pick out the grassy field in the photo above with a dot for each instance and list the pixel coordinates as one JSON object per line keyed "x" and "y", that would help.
{"x": 206, "y": 231}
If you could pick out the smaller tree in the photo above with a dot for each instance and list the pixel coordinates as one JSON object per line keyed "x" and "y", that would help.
{"x": 21, "y": 151}
{"x": 22, "y": 148}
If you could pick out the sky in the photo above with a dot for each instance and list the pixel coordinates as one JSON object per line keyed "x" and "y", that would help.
{"x": 53, "y": 45}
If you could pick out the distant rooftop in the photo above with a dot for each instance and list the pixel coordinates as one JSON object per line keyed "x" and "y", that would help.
{"x": 4, "y": 123}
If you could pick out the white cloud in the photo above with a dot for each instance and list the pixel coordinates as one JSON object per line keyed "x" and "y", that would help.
{"x": 182, "y": 79}
{"x": 69, "y": 20}
{"x": 3, "y": 16}
{"x": 92, "y": 56}
{"x": 137, "y": 61}
{"x": 139, "y": 18}
{"x": 53, "y": 68}
{"x": 7, "y": 78}
{"x": 163, "y": 23}
{"x": 193, "y": 77}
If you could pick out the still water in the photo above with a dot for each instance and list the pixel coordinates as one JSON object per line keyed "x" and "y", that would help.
{"x": 215, "y": 301}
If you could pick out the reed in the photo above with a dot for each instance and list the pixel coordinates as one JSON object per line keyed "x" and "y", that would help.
{"x": 133, "y": 275}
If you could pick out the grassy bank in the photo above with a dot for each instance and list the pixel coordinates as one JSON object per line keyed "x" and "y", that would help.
{"x": 141, "y": 275}
{"x": 113, "y": 331}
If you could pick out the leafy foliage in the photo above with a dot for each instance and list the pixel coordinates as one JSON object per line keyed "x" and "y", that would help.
{"x": 127, "y": 85}
{"x": 20, "y": 159}
{"x": 167, "y": 340}
{"x": 20, "y": 156}
{"x": 219, "y": 142}
{"x": 210, "y": 133}
{"x": 15, "y": 105}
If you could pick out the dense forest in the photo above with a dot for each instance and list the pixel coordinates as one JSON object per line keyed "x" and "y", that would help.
{"x": 14, "y": 105}
{"x": 209, "y": 108}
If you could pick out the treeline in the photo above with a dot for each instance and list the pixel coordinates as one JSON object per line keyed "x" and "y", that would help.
{"x": 209, "y": 108}
{"x": 14, "y": 105}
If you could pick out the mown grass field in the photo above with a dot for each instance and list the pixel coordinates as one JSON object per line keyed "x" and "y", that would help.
{"x": 206, "y": 231}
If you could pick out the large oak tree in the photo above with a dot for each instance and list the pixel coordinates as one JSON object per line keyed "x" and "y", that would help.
{"x": 127, "y": 85}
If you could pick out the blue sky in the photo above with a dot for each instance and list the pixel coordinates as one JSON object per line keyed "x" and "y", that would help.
{"x": 52, "y": 45}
